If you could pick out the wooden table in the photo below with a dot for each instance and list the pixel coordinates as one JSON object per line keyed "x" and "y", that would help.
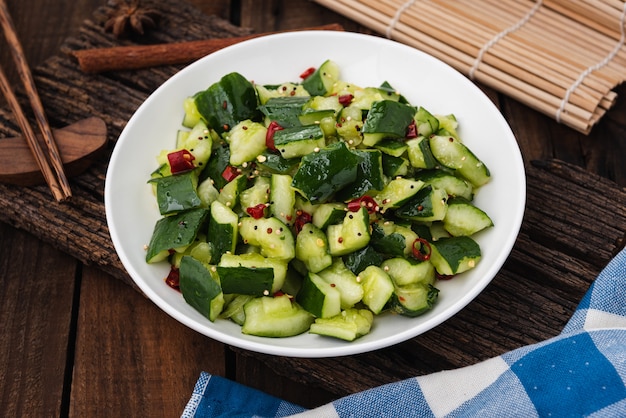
{"x": 77, "y": 341}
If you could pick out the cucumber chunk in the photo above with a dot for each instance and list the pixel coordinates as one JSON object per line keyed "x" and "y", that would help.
{"x": 312, "y": 248}
{"x": 177, "y": 193}
{"x": 318, "y": 297}
{"x": 414, "y": 300}
{"x": 348, "y": 325}
{"x": 405, "y": 272}
{"x": 233, "y": 309}
{"x": 226, "y": 103}
{"x": 397, "y": 192}
{"x": 453, "y": 185}
{"x": 174, "y": 232}
{"x": 451, "y": 153}
{"x": 351, "y": 235}
{"x": 427, "y": 205}
{"x": 282, "y": 198}
{"x": 454, "y": 255}
{"x": 275, "y": 317}
{"x": 463, "y": 218}
{"x": 247, "y": 140}
{"x": 377, "y": 288}
{"x": 223, "y": 231}
{"x": 342, "y": 279}
{"x": 328, "y": 214}
{"x": 199, "y": 288}
{"x": 419, "y": 153}
{"x": 321, "y": 81}
{"x": 256, "y": 281}
{"x": 257, "y": 261}
{"x": 386, "y": 119}
{"x": 322, "y": 173}
{"x": 270, "y": 234}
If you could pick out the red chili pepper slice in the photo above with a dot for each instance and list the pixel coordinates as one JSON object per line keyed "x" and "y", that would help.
{"x": 345, "y": 99}
{"x": 269, "y": 136}
{"x": 181, "y": 161}
{"x": 229, "y": 173}
{"x": 411, "y": 130}
{"x": 367, "y": 202}
{"x": 173, "y": 278}
{"x": 307, "y": 72}
{"x": 302, "y": 218}
{"x": 257, "y": 212}
{"x": 418, "y": 245}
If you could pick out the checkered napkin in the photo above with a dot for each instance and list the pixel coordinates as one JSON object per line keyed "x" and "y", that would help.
{"x": 581, "y": 372}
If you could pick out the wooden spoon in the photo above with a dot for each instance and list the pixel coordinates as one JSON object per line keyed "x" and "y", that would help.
{"x": 79, "y": 143}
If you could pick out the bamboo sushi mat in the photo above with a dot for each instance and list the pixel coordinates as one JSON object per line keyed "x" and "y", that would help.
{"x": 563, "y": 58}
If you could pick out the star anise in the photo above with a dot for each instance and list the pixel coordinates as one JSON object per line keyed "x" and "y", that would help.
{"x": 131, "y": 17}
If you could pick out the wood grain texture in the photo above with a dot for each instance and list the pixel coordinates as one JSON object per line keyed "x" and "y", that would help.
{"x": 131, "y": 358}
{"x": 36, "y": 303}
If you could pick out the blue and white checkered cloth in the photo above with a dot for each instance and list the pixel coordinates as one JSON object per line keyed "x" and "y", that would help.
{"x": 581, "y": 372}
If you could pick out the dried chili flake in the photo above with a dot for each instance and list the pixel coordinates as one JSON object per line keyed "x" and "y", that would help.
{"x": 181, "y": 161}
{"x": 367, "y": 202}
{"x": 411, "y": 130}
{"x": 257, "y": 212}
{"x": 306, "y": 73}
{"x": 230, "y": 172}
{"x": 269, "y": 136}
{"x": 302, "y": 218}
{"x": 173, "y": 278}
{"x": 345, "y": 99}
{"x": 421, "y": 249}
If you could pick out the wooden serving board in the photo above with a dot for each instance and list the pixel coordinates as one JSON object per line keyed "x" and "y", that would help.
{"x": 574, "y": 221}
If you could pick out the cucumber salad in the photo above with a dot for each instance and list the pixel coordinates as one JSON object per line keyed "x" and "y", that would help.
{"x": 314, "y": 205}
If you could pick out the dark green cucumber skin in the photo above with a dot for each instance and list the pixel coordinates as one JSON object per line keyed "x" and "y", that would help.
{"x": 227, "y": 102}
{"x": 369, "y": 176}
{"x": 297, "y": 133}
{"x": 220, "y": 238}
{"x": 284, "y": 110}
{"x": 323, "y": 173}
{"x": 241, "y": 280}
{"x": 389, "y": 117}
{"x": 455, "y": 249}
{"x": 274, "y": 163}
{"x": 393, "y": 166}
{"x": 176, "y": 193}
{"x": 197, "y": 285}
{"x": 310, "y": 297}
{"x": 390, "y": 245}
{"x": 420, "y": 205}
{"x": 220, "y": 159}
{"x": 359, "y": 260}
{"x": 176, "y": 231}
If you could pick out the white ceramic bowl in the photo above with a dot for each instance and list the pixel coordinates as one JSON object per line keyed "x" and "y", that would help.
{"x": 366, "y": 61}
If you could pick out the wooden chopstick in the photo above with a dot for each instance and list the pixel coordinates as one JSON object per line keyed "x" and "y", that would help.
{"x": 52, "y": 167}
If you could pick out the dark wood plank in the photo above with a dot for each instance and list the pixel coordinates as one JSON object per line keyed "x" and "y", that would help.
{"x": 276, "y": 15}
{"x": 36, "y": 302}
{"x": 132, "y": 359}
